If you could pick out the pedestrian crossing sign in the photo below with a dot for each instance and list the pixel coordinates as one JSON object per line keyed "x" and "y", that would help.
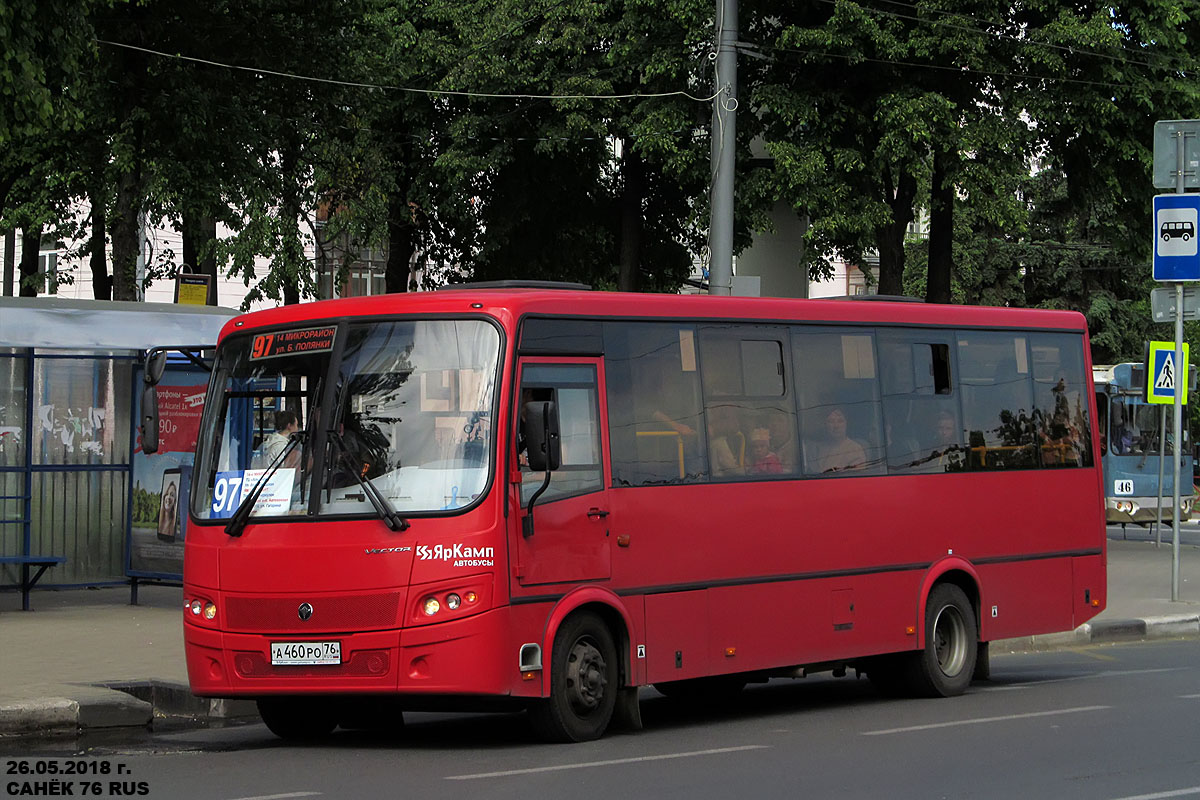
{"x": 1162, "y": 373}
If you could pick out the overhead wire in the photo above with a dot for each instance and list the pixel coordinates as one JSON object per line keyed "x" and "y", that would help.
{"x": 408, "y": 89}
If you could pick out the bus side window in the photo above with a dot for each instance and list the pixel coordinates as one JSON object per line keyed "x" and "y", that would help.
{"x": 1064, "y": 430}
{"x": 839, "y": 401}
{"x": 997, "y": 398}
{"x": 656, "y": 420}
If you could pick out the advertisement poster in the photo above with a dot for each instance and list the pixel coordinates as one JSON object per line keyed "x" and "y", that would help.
{"x": 161, "y": 481}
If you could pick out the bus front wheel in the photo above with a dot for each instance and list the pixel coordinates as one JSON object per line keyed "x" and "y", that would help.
{"x": 583, "y": 682}
{"x": 298, "y": 718}
{"x": 945, "y": 666}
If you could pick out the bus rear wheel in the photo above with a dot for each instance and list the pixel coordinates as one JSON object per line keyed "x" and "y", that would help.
{"x": 583, "y": 682}
{"x": 299, "y": 718}
{"x": 945, "y": 666}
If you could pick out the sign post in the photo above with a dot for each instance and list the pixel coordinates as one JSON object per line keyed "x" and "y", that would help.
{"x": 1176, "y": 258}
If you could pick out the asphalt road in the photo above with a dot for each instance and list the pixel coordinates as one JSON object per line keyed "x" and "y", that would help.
{"x": 1097, "y": 722}
{"x": 1189, "y": 533}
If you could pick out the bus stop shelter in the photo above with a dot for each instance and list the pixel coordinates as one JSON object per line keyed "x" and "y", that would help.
{"x": 69, "y": 384}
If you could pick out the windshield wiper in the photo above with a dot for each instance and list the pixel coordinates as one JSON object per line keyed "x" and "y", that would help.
{"x": 383, "y": 508}
{"x": 237, "y": 522}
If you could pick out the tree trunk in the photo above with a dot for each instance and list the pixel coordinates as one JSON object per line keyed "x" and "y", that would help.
{"x": 402, "y": 242}
{"x": 102, "y": 285}
{"x": 31, "y": 244}
{"x": 293, "y": 251}
{"x": 10, "y": 261}
{"x": 126, "y": 237}
{"x": 632, "y": 193}
{"x": 889, "y": 238}
{"x": 941, "y": 229}
{"x": 199, "y": 235}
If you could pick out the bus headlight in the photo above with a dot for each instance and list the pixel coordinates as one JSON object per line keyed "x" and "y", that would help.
{"x": 431, "y": 606}
{"x": 453, "y": 601}
{"x": 1125, "y": 506}
{"x": 199, "y": 610}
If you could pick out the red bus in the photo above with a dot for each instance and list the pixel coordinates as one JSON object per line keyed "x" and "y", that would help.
{"x": 509, "y": 495}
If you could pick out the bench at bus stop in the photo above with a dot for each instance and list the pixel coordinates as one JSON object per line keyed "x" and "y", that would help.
{"x": 27, "y": 563}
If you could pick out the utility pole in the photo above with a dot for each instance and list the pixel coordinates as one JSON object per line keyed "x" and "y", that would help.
{"x": 724, "y": 147}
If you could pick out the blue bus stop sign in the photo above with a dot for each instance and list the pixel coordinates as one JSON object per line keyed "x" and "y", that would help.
{"x": 1176, "y": 221}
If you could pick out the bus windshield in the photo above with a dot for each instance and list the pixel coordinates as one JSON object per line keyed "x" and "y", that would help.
{"x": 402, "y": 405}
{"x": 1135, "y": 427}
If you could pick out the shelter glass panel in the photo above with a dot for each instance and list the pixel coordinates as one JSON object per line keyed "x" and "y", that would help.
{"x": 81, "y": 410}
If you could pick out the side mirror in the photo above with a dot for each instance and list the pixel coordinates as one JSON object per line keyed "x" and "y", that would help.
{"x": 149, "y": 419}
{"x": 156, "y": 364}
{"x": 543, "y": 445}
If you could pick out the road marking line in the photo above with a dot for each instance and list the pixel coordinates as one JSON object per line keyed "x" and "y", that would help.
{"x": 1116, "y": 673}
{"x": 609, "y": 763}
{"x": 980, "y": 720}
{"x": 1189, "y": 696}
{"x": 1159, "y": 795}
{"x": 279, "y": 796}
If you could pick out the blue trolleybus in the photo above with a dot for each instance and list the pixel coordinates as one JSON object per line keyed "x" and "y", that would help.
{"x": 1130, "y": 431}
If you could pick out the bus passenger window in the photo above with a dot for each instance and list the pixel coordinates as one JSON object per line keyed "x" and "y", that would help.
{"x": 1061, "y": 396}
{"x": 838, "y": 387}
{"x": 997, "y": 393}
{"x": 655, "y": 416}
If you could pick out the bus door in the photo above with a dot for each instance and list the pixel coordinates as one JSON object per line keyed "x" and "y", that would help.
{"x": 570, "y": 538}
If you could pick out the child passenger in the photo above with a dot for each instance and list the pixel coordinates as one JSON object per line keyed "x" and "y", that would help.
{"x": 762, "y": 460}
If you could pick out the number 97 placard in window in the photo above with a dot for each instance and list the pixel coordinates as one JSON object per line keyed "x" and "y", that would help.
{"x": 231, "y": 488}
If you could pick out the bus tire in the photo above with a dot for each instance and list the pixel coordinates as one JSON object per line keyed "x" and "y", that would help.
{"x": 584, "y": 682}
{"x": 945, "y": 666}
{"x": 298, "y": 718}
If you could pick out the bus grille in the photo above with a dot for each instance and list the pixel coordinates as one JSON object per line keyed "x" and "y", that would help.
{"x": 364, "y": 663}
{"x": 357, "y": 612}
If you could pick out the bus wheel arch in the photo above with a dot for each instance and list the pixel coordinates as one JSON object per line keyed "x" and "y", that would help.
{"x": 609, "y": 608}
{"x": 586, "y": 670}
{"x": 584, "y": 676}
{"x": 950, "y": 640}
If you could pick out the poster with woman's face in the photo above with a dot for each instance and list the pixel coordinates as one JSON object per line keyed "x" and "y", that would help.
{"x": 168, "y": 512}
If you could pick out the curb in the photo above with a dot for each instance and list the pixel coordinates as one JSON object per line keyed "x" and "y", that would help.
{"x": 1127, "y": 630}
{"x": 134, "y": 704}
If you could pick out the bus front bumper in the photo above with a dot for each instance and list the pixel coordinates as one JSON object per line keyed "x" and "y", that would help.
{"x": 466, "y": 656}
{"x": 1141, "y": 510}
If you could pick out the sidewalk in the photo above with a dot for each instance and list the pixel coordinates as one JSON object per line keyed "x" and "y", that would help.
{"x": 57, "y": 660}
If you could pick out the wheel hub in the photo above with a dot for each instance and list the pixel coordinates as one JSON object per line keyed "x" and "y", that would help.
{"x": 587, "y": 676}
{"x": 950, "y": 641}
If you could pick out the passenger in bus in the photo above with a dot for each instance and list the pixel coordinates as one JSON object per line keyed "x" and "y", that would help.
{"x": 946, "y": 453}
{"x": 1123, "y": 440}
{"x": 782, "y": 441}
{"x": 763, "y": 461}
{"x": 725, "y": 442}
{"x": 838, "y": 451}
{"x": 286, "y": 423}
